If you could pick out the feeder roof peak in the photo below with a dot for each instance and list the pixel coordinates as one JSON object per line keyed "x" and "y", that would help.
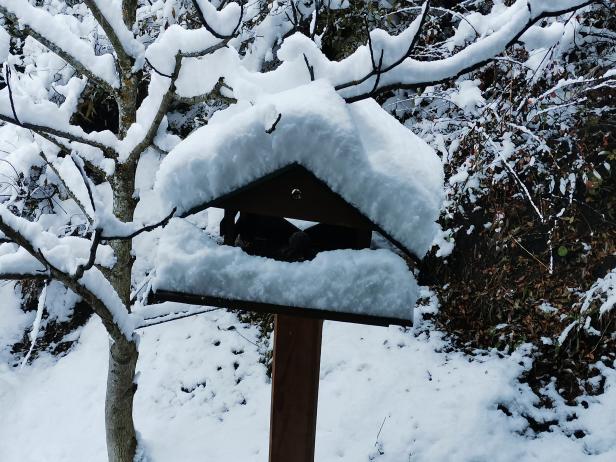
{"x": 358, "y": 150}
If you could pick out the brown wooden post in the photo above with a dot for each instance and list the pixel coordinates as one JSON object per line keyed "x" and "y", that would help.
{"x": 295, "y": 388}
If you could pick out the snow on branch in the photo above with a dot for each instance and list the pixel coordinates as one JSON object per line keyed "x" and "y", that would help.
{"x": 91, "y": 156}
{"x": 70, "y": 177}
{"x": 71, "y": 261}
{"x": 379, "y": 38}
{"x": 45, "y": 117}
{"x": 108, "y": 13}
{"x": 364, "y": 73}
{"x": 19, "y": 265}
{"x": 175, "y": 49}
{"x": 515, "y": 20}
{"x": 161, "y": 55}
{"x": 129, "y": 231}
{"x": 156, "y": 315}
{"x": 96, "y": 289}
{"x": 54, "y": 34}
{"x": 222, "y": 24}
{"x": 64, "y": 254}
{"x": 150, "y": 114}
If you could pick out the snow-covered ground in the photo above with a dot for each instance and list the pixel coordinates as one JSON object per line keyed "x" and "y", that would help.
{"x": 386, "y": 394}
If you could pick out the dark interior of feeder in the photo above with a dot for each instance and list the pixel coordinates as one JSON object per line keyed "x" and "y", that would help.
{"x": 280, "y": 239}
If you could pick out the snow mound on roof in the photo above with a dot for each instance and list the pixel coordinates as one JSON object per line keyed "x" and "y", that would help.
{"x": 372, "y": 282}
{"x": 359, "y": 150}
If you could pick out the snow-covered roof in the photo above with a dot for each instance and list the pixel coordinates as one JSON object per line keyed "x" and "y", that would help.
{"x": 361, "y": 282}
{"x": 360, "y": 151}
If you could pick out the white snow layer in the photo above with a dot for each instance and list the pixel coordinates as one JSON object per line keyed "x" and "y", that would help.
{"x": 359, "y": 150}
{"x": 374, "y": 282}
{"x": 55, "y": 30}
{"x": 5, "y": 44}
{"x": 604, "y": 291}
{"x": 112, "y": 12}
{"x": 386, "y": 395}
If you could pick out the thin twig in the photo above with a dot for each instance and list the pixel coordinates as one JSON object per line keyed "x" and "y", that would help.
{"x": 86, "y": 180}
{"x": 147, "y": 228}
{"x": 7, "y": 71}
{"x": 174, "y": 318}
{"x": 310, "y": 68}
{"x": 531, "y": 254}
{"x": 270, "y": 130}
{"x": 92, "y": 257}
{"x": 169, "y": 76}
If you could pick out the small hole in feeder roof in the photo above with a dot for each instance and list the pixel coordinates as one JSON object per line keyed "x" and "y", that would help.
{"x": 296, "y": 194}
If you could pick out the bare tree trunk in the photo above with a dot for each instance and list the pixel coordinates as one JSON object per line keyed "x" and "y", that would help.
{"x": 124, "y": 204}
{"x": 121, "y": 436}
{"x": 121, "y": 386}
{"x": 123, "y": 354}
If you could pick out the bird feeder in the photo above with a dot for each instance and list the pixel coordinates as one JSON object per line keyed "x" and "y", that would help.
{"x": 297, "y": 210}
{"x": 256, "y": 219}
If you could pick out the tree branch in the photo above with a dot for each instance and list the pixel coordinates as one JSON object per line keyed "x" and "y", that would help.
{"x": 169, "y": 76}
{"x": 469, "y": 59}
{"x": 67, "y": 151}
{"x": 23, "y": 276}
{"x": 203, "y": 98}
{"x": 95, "y": 302}
{"x": 310, "y": 68}
{"x": 145, "y": 229}
{"x": 7, "y": 71}
{"x": 124, "y": 59}
{"x": 213, "y": 31}
{"x": 270, "y": 130}
{"x": 378, "y": 70}
{"x": 69, "y": 191}
{"x": 70, "y": 58}
{"x": 166, "y": 100}
{"x": 129, "y": 12}
{"x": 11, "y": 229}
{"x": 96, "y": 240}
{"x": 206, "y": 51}
{"x": 41, "y": 130}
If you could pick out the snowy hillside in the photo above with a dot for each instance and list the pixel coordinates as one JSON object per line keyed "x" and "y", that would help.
{"x": 386, "y": 394}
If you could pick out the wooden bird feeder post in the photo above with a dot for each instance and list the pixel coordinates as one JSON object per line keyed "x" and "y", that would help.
{"x": 255, "y": 219}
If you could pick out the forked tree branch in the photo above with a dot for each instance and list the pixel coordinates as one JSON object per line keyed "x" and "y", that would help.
{"x": 124, "y": 59}
{"x": 215, "y": 93}
{"x": 45, "y": 131}
{"x": 213, "y": 31}
{"x": 66, "y": 150}
{"x": 42, "y": 130}
{"x": 166, "y": 100}
{"x": 467, "y": 65}
{"x": 379, "y": 70}
{"x": 61, "y": 52}
{"x": 96, "y": 240}
{"x": 73, "y": 283}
